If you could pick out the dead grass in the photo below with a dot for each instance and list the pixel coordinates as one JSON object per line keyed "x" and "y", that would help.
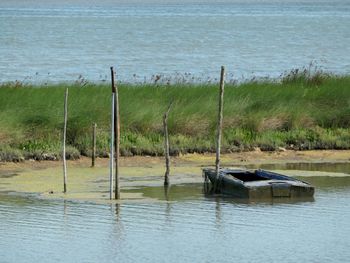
{"x": 278, "y": 123}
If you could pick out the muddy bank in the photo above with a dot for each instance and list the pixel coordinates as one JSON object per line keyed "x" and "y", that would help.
{"x": 44, "y": 179}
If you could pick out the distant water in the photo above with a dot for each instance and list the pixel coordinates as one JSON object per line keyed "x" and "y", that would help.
{"x": 66, "y": 40}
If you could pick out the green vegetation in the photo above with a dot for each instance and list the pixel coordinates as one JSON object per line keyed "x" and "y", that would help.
{"x": 298, "y": 112}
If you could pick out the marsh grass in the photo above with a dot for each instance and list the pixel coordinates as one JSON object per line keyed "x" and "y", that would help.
{"x": 299, "y": 112}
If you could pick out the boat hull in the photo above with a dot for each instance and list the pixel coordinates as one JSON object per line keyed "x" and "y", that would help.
{"x": 258, "y": 184}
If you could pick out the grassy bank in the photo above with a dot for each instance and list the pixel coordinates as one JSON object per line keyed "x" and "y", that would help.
{"x": 297, "y": 112}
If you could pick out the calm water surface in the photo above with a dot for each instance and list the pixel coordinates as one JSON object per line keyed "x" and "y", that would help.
{"x": 60, "y": 40}
{"x": 322, "y": 167}
{"x": 183, "y": 226}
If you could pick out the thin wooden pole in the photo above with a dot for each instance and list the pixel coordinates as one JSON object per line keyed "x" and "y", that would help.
{"x": 116, "y": 135}
{"x": 219, "y": 126}
{"x": 166, "y": 146}
{"x": 111, "y": 160}
{"x": 93, "y": 154}
{"x": 64, "y": 141}
{"x": 117, "y": 145}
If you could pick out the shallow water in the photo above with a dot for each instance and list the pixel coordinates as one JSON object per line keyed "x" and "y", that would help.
{"x": 61, "y": 40}
{"x": 322, "y": 167}
{"x": 189, "y": 227}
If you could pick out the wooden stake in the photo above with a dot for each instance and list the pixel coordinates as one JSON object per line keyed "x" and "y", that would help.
{"x": 219, "y": 127}
{"x": 166, "y": 146}
{"x": 117, "y": 145}
{"x": 111, "y": 158}
{"x": 64, "y": 141}
{"x": 116, "y": 135}
{"x": 93, "y": 154}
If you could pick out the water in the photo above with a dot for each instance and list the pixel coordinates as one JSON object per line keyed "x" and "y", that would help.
{"x": 322, "y": 167}
{"x": 57, "y": 41}
{"x": 189, "y": 227}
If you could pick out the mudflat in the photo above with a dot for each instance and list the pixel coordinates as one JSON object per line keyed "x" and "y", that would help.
{"x": 45, "y": 180}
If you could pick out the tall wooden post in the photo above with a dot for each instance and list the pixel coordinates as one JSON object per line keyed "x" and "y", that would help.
{"x": 64, "y": 141}
{"x": 116, "y": 135}
{"x": 166, "y": 146}
{"x": 111, "y": 158}
{"x": 93, "y": 154}
{"x": 219, "y": 127}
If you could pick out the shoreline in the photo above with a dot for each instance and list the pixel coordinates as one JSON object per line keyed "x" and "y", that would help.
{"x": 43, "y": 179}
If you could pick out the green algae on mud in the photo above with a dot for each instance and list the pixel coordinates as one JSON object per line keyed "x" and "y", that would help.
{"x": 45, "y": 180}
{"x": 91, "y": 184}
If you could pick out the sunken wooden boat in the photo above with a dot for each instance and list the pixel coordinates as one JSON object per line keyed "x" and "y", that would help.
{"x": 258, "y": 184}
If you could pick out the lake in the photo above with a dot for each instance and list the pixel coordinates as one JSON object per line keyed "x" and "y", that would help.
{"x": 54, "y": 41}
{"x": 183, "y": 225}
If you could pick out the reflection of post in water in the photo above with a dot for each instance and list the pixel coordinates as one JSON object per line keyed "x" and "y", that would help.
{"x": 65, "y": 208}
{"x": 117, "y": 226}
{"x": 167, "y": 192}
{"x": 66, "y": 219}
{"x": 117, "y": 212}
{"x": 168, "y": 203}
{"x": 206, "y": 184}
{"x": 218, "y": 215}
